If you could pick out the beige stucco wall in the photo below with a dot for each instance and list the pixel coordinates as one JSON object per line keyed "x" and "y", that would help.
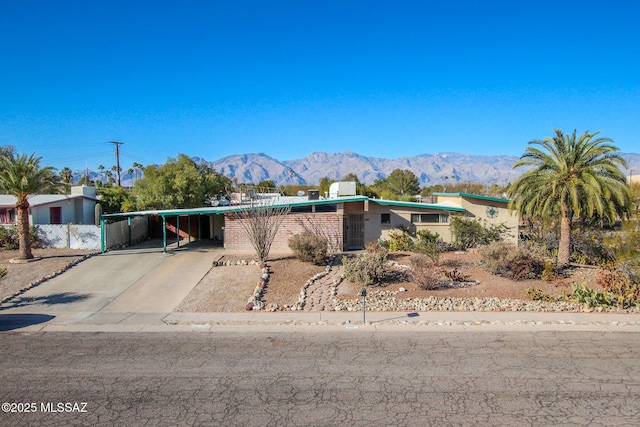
{"x": 478, "y": 210}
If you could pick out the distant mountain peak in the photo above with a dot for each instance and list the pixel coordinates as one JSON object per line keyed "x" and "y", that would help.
{"x": 431, "y": 169}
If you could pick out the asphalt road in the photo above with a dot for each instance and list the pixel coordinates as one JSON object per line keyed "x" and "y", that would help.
{"x": 325, "y": 378}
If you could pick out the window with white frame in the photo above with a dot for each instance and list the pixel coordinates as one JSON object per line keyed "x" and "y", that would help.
{"x": 429, "y": 218}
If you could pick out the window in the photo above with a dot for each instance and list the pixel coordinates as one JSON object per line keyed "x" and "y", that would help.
{"x": 385, "y": 218}
{"x": 7, "y": 216}
{"x": 429, "y": 218}
{"x": 55, "y": 215}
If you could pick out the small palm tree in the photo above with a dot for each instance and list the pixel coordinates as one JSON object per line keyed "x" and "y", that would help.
{"x": 571, "y": 177}
{"x": 22, "y": 176}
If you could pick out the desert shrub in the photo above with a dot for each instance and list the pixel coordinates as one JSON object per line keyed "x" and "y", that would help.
{"x": 456, "y": 275}
{"x": 548, "y": 271}
{"x": 430, "y": 244}
{"x": 424, "y": 273}
{"x": 625, "y": 243}
{"x": 623, "y": 284}
{"x": 535, "y": 294}
{"x": 399, "y": 241}
{"x": 376, "y": 247}
{"x": 593, "y": 298}
{"x": 468, "y": 233}
{"x": 3, "y": 272}
{"x": 587, "y": 247}
{"x": 309, "y": 247}
{"x": 9, "y": 237}
{"x": 512, "y": 262}
{"x": 367, "y": 268}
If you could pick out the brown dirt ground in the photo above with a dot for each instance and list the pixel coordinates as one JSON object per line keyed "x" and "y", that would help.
{"x": 20, "y": 275}
{"x": 226, "y": 289}
{"x": 289, "y": 275}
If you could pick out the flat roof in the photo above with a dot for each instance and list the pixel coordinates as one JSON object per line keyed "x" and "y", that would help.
{"x": 283, "y": 201}
{"x": 473, "y": 196}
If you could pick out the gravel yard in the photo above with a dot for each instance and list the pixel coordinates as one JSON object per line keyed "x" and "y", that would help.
{"x": 227, "y": 288}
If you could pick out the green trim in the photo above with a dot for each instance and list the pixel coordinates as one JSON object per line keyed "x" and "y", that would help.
{"x": 473, "y": 196}
{"x": 416, "y": 205}
{"x": 220, "y": 210}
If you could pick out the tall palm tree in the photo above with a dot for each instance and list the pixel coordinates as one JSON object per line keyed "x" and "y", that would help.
{"x": 571, "y": 177}
{"x": 22, "y": 176}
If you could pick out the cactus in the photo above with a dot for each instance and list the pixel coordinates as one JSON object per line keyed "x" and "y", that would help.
{"x": 98, "y": 213}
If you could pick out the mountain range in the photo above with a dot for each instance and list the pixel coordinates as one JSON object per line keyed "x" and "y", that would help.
{"x": 431, "y": 169}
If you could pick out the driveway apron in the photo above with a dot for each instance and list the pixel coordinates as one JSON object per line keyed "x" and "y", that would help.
{"x": 134, "y": 280}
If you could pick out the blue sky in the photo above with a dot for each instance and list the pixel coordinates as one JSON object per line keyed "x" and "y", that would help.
{"x": 287, "y": 78}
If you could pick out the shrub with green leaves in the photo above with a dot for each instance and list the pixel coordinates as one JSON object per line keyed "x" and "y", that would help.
{"x": 515, "y": 263}
{"x": 468, "y": 233}
{"x": 367, "y": 268}
{"x": 535, "y": 294}
{"x": 309, "y": 247}
{"x": 399, "y": 241}
{"x": 430, "y": 244}
{"x": 593, "y": 298}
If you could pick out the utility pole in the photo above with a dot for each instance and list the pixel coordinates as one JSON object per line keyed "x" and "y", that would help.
{"x": 117, "y": 144}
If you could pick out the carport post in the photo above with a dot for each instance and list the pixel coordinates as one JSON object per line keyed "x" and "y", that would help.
{"x": 178, "y": 230}
{"x": 189, "y": 227}
{"x": 103, "y": 237}
{"x": 129, "y": 228}
{"x": 164, "y": 234}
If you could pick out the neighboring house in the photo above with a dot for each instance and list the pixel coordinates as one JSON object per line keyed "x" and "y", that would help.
{"x": 77, "y": 207}
{"x": 348, "y": 222}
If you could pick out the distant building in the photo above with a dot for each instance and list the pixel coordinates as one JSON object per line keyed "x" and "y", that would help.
{"x": 77, "y": 207}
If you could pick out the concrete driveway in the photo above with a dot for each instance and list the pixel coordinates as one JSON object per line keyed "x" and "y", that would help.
{"x": 137, "y": 284}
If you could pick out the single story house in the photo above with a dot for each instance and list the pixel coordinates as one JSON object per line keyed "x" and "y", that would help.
{"x": 77, "y": 207}
{"x": 348, "y": 222}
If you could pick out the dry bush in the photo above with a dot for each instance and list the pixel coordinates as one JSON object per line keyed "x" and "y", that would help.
{"x": 309, "y": 247}
{"x": 424, "y": 273}
{"x": 512, "y": 262}
{"x": 367, "y": 268}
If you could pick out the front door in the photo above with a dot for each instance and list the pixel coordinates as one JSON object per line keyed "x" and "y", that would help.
{"x": 354, "y": 232}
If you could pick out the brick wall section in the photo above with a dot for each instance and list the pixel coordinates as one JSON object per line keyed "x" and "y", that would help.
{"x": 327, "y": 224}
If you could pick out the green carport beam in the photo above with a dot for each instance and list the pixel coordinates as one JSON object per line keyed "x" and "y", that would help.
{"x": 103, "y": 237}
{"x": 178, "y": 230}
{"x": 164, "y": 234}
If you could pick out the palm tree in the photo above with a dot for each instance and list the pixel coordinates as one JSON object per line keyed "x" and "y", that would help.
{"x": 571, "y": 177}
{"x": 22, "y": 176}
{"x": 66, "y": 174}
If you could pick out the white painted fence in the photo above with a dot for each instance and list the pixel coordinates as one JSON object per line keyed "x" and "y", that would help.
{"x": 75, "y": 236}
{"x": 69, "y": 236}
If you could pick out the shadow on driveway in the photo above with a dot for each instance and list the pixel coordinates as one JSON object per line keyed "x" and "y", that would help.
{"x": 9, "y": 322}
{"x": 52, "y": 299}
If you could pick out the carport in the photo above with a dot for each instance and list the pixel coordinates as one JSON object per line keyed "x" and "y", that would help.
{"x": 164, "y": 215}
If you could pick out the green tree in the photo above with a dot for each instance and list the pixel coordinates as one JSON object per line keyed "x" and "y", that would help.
{"x": 114, "y": 199}
{"x": 179, "y": 183}
{"x": 21, "y": 176}
{"x": 401, "y": 184}
{"x": 324, "y": 185}
{"x": 571, "y": 177}
{"x": 361, "y": 189}
{"x": 266, "y": 186}
{"x": 66, "y": 175}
